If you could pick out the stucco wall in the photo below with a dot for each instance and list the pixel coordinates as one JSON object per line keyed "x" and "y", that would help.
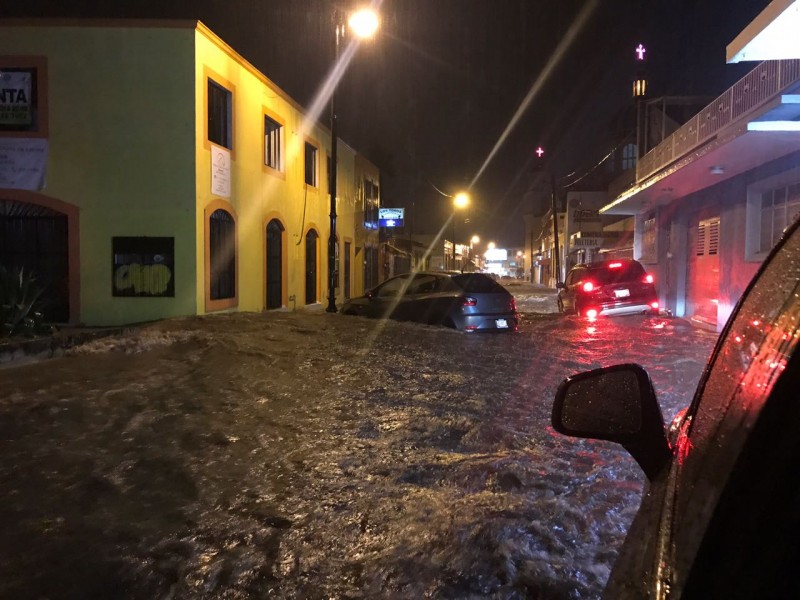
{"x": 121, "y": 133}
{"x": 258, "y": 193}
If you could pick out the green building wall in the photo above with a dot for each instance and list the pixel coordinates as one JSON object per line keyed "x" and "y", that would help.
{"x": 128, "y": 150}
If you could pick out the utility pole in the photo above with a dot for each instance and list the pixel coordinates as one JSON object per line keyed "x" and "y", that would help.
{"x": 556, "y": 251}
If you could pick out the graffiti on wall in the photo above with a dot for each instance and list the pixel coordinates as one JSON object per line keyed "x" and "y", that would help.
{"x": 143, "y": 266}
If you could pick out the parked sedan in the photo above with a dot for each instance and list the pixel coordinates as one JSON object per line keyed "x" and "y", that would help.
{"x": 464, "y": 301}
{"x": 608, "y": 287}
{"x": 719, "y": 518}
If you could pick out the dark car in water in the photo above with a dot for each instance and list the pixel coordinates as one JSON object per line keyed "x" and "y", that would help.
{"x": 464, "y": 301}
{"x": 720, "y": 515}
{"x": 608, "y": 287}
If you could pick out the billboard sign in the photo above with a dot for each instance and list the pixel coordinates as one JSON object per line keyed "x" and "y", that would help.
{"x": 390, "y": 217}
{"x": 497, "y": 254}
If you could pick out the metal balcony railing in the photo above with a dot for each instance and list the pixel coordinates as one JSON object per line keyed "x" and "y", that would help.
{"x": 759, "y": 86}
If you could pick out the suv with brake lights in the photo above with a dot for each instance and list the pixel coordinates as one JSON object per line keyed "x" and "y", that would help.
{"x": 608, "y": 287}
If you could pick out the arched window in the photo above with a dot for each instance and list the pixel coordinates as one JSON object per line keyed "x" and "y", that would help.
{"x": 222, "y": 254}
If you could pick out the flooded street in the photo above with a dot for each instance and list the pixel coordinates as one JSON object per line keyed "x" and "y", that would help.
{"x": 313, "y": 455}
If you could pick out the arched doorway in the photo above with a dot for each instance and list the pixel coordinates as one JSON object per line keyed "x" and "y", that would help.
{"x": 274, "y": 273}
{"x": 311, "y": 266}
{"x": 35, "y": 238}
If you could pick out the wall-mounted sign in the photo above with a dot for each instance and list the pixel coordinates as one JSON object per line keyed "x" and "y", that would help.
{"x": 581, "y": 242}
{"x": 496, "y": 254}
{"x": 390, "y": 217}
{"x": 16, "y": 98}
{"x": 143, "y": 266}
{"x": 586, "y": 215}
{"x": 220, "y": 171}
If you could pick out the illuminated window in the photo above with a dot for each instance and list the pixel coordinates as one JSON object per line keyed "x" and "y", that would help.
{"x": 311, "y": 162}
{"x": 273, "y": 140}
{"x": 371, "y": 203}
{"x": 220, "y": 115}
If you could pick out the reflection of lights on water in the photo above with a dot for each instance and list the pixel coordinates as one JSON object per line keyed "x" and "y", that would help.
{"x": 756, "y": 323}
{"x": 738, "y": 339}
{"x": 659, "y": 325}
{"x": 591, "y": 314}
{"x": 591, "y": 329}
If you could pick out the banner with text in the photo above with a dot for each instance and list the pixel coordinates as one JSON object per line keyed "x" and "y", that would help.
{"x": 23, "y": 163}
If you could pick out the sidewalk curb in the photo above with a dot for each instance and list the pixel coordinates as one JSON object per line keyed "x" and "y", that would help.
{"x": 17, "y": 351}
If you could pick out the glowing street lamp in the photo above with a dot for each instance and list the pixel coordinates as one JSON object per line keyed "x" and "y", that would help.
{"x": 363, "y": 23}
{"x": 461, "y": 200}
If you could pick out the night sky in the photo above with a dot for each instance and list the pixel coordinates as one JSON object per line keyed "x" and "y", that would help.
{"x": 430, "y": 97}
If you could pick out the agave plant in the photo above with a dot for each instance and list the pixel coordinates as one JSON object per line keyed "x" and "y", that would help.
{"x": 20, "y": 303}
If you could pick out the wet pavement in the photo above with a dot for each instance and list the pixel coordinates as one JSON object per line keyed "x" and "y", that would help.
{"x": 309, "y": 455}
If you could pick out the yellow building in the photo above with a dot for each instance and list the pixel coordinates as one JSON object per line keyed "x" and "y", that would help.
{"x": 149, "y": 171}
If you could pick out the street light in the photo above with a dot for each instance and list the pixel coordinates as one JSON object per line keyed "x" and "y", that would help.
{"x": 363, "y": 23}
{"x": 460, "y": 201}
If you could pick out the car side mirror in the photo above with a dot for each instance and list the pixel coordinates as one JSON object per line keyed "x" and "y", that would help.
{"x": 560, "y": 286}
{"x": 618, "y": 404}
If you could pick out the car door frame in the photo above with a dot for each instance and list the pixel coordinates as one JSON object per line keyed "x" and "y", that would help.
{"x": 663, "y": 565}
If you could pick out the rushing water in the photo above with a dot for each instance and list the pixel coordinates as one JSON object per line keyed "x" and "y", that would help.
{"x": 278, "y": 455}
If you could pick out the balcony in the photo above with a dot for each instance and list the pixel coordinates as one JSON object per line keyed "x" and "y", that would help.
{"x": 754, "y": 121}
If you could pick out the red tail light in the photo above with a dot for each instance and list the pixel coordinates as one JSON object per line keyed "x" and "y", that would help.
{"x": 470, "y": 301}
{"x": 654, "y": 304}
{"x": 591, "y": 313}
{"x": 615, "y": 265}
{"x": 588, "y": 286}
{"x": 649, "y": 278}
{"x": 513, "y": 304}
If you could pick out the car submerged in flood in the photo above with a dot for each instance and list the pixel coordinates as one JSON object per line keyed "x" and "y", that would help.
{"x": 719, "y": 516}
{"x": 608, "y": 287}
{"x": 468, "y": 302}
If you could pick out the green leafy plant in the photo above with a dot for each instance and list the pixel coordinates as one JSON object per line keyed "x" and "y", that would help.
{"x": 21, "y": 303}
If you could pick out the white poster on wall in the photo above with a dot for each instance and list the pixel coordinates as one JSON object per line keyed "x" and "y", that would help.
{"x": 23, "y": 163}
{"x": 220, "y": 171}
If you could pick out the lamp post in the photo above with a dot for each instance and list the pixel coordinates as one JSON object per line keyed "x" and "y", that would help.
{"x": 364, "y": 24}
{"x": 461, "y": 200}
{"x": 472, "y": 242}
